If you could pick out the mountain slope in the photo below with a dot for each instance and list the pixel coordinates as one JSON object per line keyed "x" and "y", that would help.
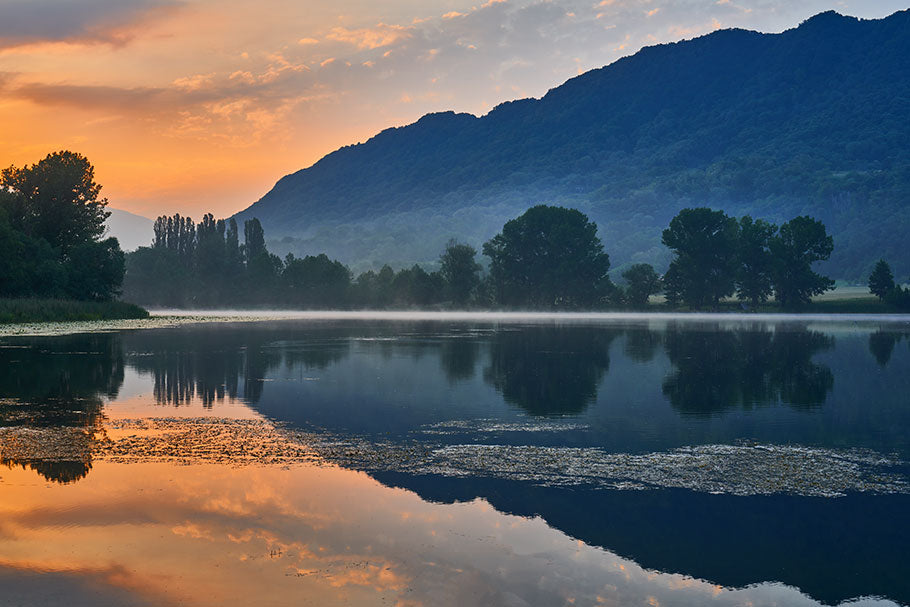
{"x": 812, "y": 120}
{"x": 133, "y": 231}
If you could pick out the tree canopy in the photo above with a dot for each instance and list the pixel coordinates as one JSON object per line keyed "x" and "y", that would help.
{"x": 51, "y": 220}
{"x": 549, "y": 257}
{"x": 704, "y": 269}
{"x": 881, "y": 281}
{"x": 798, "y": 244}
{"x": 56, "y": 199}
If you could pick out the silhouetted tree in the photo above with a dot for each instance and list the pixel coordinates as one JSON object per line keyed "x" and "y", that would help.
{"x": 56, "y": 199}
{"x": 95, "y": 270}
{"x": 704, "y": 269}
{"x": 549, "y": 257}
{"x": 50, "y": 220}
{"x": 316, "y": 281}
{"x": 754, "y": 275}
{"x": 881, "y": 281}
{"x": 798, "y": 244}
{"x": 253, "y": 239}
{"x": 29, "y": 267}
{"x": 642, "y": 282}
{"x": 460, "y": 272}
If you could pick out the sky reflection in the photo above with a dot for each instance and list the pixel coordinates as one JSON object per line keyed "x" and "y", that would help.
{"x": 217, "y": 535}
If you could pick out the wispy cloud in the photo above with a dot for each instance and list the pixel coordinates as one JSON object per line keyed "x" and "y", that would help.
{"x": 371, "y": 37}
{"x": 115, "y": 22}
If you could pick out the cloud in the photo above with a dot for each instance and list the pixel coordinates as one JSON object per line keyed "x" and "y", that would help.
{"x": 371, "y": 37}
{"x": 115, "y": 22}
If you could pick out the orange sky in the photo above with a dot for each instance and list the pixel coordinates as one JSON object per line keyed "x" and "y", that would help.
{"x": 196, "y": 105}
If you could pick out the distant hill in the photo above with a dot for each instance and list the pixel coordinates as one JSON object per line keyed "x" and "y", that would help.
{"x": 133, "y": 231}
{"x": 815, "y": 120}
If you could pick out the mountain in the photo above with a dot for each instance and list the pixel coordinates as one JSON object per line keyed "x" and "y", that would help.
{"x": 814, "y": 120}
{"x": 133, "y": 231}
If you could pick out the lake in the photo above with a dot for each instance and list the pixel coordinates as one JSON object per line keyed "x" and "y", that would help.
{"x": 459, "y": 460}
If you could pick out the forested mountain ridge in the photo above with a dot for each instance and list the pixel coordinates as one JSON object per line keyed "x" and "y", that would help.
{"x": 813, "y": 120}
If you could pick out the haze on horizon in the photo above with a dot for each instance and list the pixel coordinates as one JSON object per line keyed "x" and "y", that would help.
{"x": 201, "y": 105}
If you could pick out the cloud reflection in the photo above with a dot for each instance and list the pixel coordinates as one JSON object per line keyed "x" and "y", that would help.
{"x": 216, "y": 535}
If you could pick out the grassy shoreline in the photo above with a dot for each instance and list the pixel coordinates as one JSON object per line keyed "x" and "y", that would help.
{"x": 14, "y": 311}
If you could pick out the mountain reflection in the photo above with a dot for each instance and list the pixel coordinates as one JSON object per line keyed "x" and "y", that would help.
{"x": 549, "y": 371}
{"x": 720, "y": 369}
{"x": 59, "y": 383}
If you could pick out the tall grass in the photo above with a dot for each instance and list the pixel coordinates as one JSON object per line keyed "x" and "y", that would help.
{"x": 51, "y": 310}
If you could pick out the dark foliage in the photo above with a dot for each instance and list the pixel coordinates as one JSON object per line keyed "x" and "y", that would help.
{"x": 704, "y": 270}
{"x": 797, "y": 245}
{"x": 549, "y": 257}
{"x": 51, "y": 220}
{"x": 881, "y": 281}
{"x": 642, "y": 282}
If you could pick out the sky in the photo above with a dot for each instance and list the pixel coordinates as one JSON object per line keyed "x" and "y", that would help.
{"x": 192, "y": 106}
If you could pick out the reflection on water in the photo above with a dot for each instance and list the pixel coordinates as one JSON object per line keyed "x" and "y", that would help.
{"x": 882, "y": 343}
{"x": 60, "y": 384}
{"x": 549, "y": 371}
{"x": 352, "y": 463}
{"x": 721, "y": 369}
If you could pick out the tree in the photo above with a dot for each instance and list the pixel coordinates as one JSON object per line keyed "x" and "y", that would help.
{"x": 316, "y": 282}
{"x": 56, "y": 199}
{"x": 881, "y": 281}
{"x": 798, "y": 244}
{"x": 29, "y": 267}
{"x": 549, "y": 257}
{"x": 643, "y": 282}
{"x": 95, "y": 270}
{"x": 254, "y": 239}
{"x": 754, "y": 276}
{"x": 704, "y": 269}
{"x": 460, "y": 272}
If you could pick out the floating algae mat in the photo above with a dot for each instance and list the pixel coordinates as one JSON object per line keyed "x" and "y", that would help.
{"x": 747, "y": 469}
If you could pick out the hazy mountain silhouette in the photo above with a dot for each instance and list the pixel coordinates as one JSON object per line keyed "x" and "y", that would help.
{"x": 131, "y": 230}
{"x": 808, "y": 121}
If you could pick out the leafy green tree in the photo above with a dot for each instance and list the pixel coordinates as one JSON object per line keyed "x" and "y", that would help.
{"x": 754, "y": 281}
{"x": 642, "y": 282}
{"x": 798, "y": 244}
{"x": 704, "y": 269}
{"x": 549, "y": 257}
{"x": 460, "y": 272}
{"x": 56, "y": 199}
{"x": 881, "y": 281}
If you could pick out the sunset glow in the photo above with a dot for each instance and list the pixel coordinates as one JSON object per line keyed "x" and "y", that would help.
{"x": 185, "y": 106}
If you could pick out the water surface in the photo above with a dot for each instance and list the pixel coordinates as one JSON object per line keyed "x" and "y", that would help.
{"x": 511, "y": 460}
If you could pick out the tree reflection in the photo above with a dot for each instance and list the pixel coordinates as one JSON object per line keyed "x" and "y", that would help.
{"x": 719, "y": 369}
{"x": 881, "y": 345}
{"x": 641, "y": 344}
{"x": 549, "y": 371}
{"x": 57, "y": 386}
{"x": 458, "y": 358}
{"x": 211, "y": 366}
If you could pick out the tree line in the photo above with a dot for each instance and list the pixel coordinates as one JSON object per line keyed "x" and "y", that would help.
{"x": 51, "y": 232}
{"x": 550, "y": 257}
{"x": 209, "y": 264}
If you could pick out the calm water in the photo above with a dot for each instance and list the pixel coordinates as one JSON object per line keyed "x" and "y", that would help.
{"x": 369, "y": 462}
